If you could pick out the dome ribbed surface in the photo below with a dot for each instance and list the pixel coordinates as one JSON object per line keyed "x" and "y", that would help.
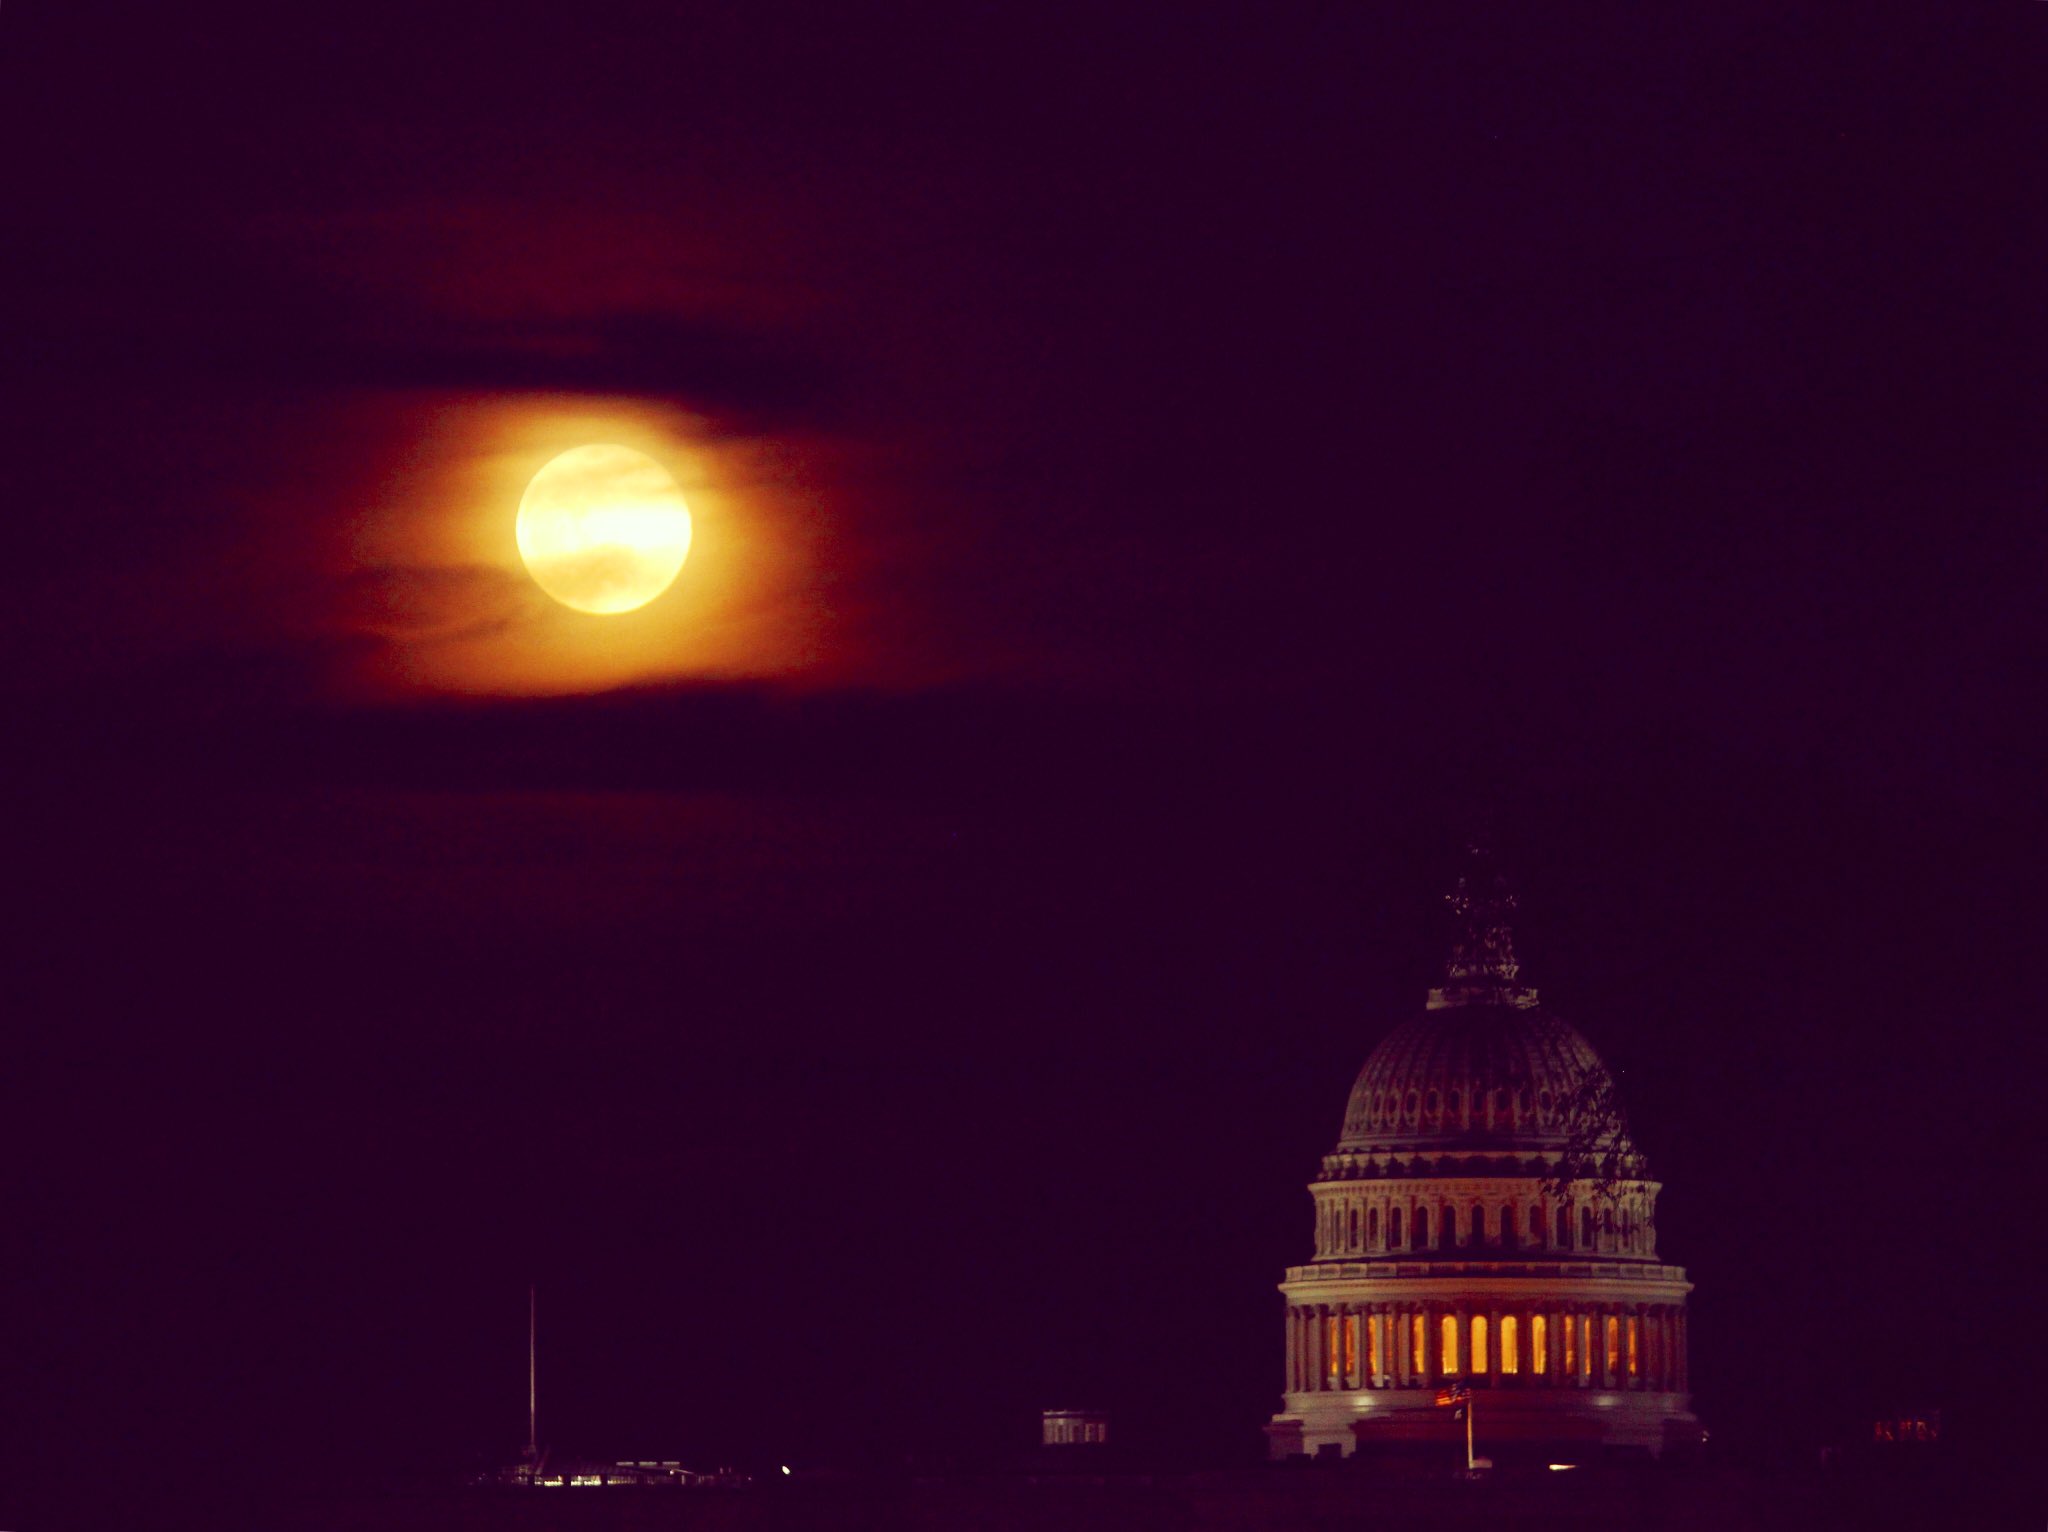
{"x": 1480, "y": 1076}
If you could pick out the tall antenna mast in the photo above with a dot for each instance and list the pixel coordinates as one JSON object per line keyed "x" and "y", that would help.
{"x": 533, "y": 1374}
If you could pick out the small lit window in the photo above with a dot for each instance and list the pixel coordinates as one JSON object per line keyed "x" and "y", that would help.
{"x": 1539, "y": 1342}
{"x": 1613, "y": 1344}
{"x": 1510, "y": 1344}
{"x": 1418, "y": 1336}
{"x": 1478, "y": 1343}
{"x": 1571, "y": 1343}
{"x": 1449, "y": 1331}
{"x": 1634, "y": 1326}
{"x": 1372, "y": 1347}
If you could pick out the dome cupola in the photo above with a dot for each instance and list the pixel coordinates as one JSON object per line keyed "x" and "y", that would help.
{"x": 1484, "y": 1066}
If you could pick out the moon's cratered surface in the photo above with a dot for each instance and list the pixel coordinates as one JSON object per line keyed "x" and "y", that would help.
{"x": 603, "y": 529}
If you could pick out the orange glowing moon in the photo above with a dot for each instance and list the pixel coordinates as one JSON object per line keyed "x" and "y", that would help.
{"x": 603, "y": 529}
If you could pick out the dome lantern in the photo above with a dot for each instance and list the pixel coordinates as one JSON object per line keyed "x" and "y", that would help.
{"x": 1482, "y": 969}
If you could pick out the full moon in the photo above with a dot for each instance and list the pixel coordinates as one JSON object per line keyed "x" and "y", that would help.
{"x": 603, "y": 529}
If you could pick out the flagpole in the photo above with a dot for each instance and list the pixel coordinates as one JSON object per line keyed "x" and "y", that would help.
{"x": 533, "y": 1376}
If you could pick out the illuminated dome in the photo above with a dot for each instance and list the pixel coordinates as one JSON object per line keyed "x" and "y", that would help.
{"x": 1479, "y": 1076}
{"x": 1484, "y": 1223}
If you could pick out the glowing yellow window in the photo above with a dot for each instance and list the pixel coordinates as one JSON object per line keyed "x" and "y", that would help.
{"x": 1350, "y": 1346}
{"x": 1571, "y": 1343}
{"x": 1510, "y": 1343}
{"x": 1539, "y": 1342}
{"x": 1634, "y": 1325}
{"x": 1418, "y": 1361}
{"x": 1331, "y": 1341}
{"x": 1450, "y": 1342}
{"x": 1478, "y": 1343}
{"x": 1613, "y": 1344}
{"x": 1372, "y": 1346}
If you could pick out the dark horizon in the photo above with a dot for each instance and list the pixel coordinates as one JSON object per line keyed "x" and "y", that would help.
{"x": 1034, "y": 1071}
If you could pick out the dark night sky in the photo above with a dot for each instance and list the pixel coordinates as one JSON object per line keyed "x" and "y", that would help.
{"x": 1216, "y": 451}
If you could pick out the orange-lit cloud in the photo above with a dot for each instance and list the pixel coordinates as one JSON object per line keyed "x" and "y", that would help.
{"x": 435, "y": 578}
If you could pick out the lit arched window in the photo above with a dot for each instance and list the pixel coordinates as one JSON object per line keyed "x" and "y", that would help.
{"x": 1613, "y": 1344}
{"x": 1421, "y": 1227}
{"x": 1478, "y": 1344}
{"x": 1634, "y": 1328}
{"x": 1510, "y": 1343}
{"x": 1539, "y": 1343}
{"x": 1393, "y": 1228}
{"x": 1418, "y": 1346}
{"x": 1571, "y": 1344}
{"x": 1450, "y": 1343}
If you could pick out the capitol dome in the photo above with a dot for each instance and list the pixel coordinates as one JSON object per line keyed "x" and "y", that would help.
{"x": 1485, "y": 1227}
{"x": 1470, "y": 1075}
